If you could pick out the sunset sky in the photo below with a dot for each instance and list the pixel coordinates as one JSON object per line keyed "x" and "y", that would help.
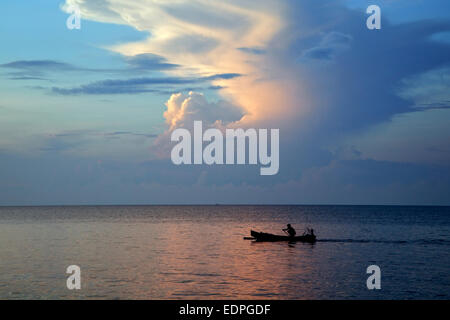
{"x": 86, "y": 115}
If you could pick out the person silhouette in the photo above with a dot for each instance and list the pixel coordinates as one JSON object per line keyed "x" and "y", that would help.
{"x": 291, "y": 231}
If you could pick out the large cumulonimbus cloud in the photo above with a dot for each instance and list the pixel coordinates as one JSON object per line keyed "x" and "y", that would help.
{"x": 205, "y": 38}
{"x": 309, "y": 67}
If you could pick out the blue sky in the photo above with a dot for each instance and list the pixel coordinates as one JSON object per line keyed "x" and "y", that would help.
{"x": 363, "y": 114}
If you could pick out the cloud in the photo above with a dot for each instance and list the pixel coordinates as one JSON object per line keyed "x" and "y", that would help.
{"x": 348, "y": 84}
{"x": 140, "y": 85}
{"x": 130, "y": 133}
{"x": 428, "y": 90}
{"x": 184, "y": 109}
{"x": 36, "y": 69}
{"x": 330, "y": 45}
{"x": 79, "y": 141}
{"x": 253, "y": 50}
{"x": 68, "y": 180}
{"x": 28, "y": 78}
{"x": 79, "y": 133}
{"x": 351, "y": 93}
{"x": 275, "y": 88}
{"x": 193, "y": 35}
{"x": 39, "y": 65}
{"x": 147, "y": 61}
{"x": 33, "y": 69}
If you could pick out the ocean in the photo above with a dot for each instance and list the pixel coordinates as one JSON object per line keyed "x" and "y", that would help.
{"x": 198, "y": 252}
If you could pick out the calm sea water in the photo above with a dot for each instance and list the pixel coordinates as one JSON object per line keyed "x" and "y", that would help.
{"x": 198, "y": 252}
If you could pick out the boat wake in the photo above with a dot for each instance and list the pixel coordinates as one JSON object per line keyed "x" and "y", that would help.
{"x": 418, "y": 241}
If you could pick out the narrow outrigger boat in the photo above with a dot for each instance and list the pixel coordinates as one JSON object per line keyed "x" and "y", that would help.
{"x": 267, "y": 237}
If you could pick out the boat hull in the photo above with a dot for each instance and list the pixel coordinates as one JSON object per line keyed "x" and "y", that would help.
{"x": 267, "y": 237}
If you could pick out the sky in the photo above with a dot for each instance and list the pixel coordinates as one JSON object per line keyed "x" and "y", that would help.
{"x": 86, "y": 114}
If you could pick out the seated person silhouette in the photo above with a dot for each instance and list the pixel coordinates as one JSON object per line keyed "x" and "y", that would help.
{"x": 290, "y": 231}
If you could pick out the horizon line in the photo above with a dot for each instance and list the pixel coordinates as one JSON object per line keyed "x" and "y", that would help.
{"x": 225, "y": 205}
